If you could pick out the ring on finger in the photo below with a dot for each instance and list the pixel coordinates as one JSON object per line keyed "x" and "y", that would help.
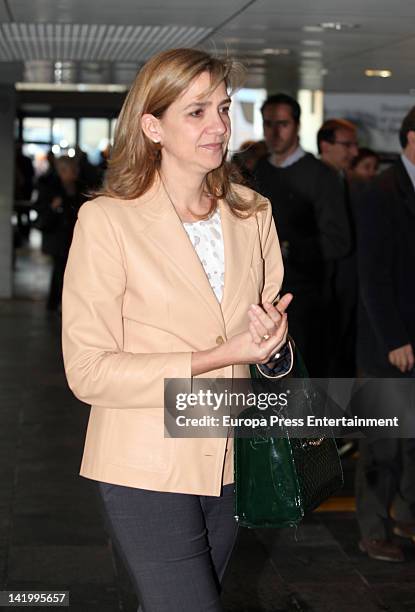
{"x": 266, "y": 337}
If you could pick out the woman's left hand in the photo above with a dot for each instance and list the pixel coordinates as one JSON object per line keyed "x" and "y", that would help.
{"x": 269, "y": 320}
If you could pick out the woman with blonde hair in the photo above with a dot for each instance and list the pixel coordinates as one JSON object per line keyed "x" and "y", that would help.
{"x": 172, "y": 273}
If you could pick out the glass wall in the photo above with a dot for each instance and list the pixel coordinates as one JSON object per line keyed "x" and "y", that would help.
{"x": 94, "y": 136}
{"x": 37, "y": 134}
{"x": 37, "y": 129}
{"x": 63, "y": 135}
{"x": 64, "y": 132}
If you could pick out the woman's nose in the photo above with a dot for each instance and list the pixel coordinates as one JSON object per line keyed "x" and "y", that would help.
{"x": 218, "y": 125}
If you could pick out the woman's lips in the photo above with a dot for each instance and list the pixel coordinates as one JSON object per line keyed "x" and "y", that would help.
{"x": 213, "y": 146}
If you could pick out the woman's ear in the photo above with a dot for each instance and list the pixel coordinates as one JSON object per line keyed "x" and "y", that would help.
{"x": 151, "y": 127}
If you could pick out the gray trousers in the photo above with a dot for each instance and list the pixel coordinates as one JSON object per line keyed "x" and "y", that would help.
{"x": 385, "y": 476}
{"x": 175, "y": 546}
{"x": 385, "y": 480}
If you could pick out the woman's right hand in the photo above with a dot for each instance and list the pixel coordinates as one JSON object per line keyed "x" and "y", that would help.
{"x": 266, "y": 334}
{"x": 243, "y": 349}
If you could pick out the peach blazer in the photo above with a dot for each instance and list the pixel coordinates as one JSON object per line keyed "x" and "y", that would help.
{"x": 136, "y": 304}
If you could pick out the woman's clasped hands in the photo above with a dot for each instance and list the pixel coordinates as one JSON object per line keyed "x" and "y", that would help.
{"x": 267, "y": 333}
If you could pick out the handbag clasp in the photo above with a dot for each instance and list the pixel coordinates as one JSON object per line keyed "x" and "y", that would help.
{"x": 311, "y": 442}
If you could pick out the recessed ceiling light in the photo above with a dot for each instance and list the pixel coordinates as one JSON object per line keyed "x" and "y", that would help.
{"x": 276, "y": 51}
{"x": 253, "y": 26}
{"x": 338, "y": 25}
{"x": 311, "y": 53}
{"x": 247, "y": 41}
{"x": 26, "y": 86}
{"x": 312, "y": 28}
{"x": 312, "y": 43}
{"x": 383, "y": 74}
{"x": 258, "y": 61}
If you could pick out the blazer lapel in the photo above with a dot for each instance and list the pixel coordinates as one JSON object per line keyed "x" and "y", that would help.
{"x": 169, "y": 236}
{"x": 239, "y": 236}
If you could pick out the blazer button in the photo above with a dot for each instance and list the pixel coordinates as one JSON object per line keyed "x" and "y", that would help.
{"x": 219, "y": 340}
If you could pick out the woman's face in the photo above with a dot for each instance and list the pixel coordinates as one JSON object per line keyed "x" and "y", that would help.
{"x": 195, "y": 129}
{"x": 68, "y": 173}
{"x": 366, "y": 169}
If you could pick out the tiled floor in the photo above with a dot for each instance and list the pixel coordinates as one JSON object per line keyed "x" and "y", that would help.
{"x": 51, "y": 533}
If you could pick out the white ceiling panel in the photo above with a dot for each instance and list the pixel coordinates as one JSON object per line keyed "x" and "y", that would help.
{"x": 202, "y": 18}
{"x": 294, "y": 26}
{"x": 329, "y": 8}
{"x": 129, "y": 31}
{"x": 4, "y": 14}
{"x": 49, "y": 41}
{"x": 134, "y": 12}
{"x": 384, "y": 38}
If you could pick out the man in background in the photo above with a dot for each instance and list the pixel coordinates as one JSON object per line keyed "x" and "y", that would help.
{"x": 308, "y": 207}
{"x": 386, "y": 263}
{"x": 338, "y": 146}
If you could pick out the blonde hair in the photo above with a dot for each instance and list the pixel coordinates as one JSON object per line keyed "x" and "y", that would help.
{"x": 135, "y": 159}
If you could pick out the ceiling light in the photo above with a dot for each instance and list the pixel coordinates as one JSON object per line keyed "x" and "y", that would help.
{"x": 276, "y": 51}
{"x": 259, "y": 61}
{"x": 312, "y": 28}
{"x": 246, "y": 41}
{"x": 312, "y": 43}
{"x": 23, "y": 86}
{"x": 310, "y": 53}
{"x": 254, "y": 26}
{"x": 383, "y": 74}
{"x": 338, "y": 25}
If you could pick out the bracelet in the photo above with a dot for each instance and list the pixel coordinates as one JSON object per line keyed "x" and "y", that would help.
{"x": 279, "y": 372}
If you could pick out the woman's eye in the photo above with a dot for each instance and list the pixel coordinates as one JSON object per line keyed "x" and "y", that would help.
{"x": 196, "y": 113}
{"x": 225, "y": 110}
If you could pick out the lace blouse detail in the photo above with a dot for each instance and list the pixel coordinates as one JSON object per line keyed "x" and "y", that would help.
{"x": 207, "y": 239}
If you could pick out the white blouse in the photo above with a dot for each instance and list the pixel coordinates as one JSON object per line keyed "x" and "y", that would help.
{"x": 207, "y": 239}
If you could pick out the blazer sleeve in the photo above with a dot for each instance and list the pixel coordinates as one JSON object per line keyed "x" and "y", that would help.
{"x": 274, "y": 273}
{"x": 98, "y": 370}
{"x": 271, "y": 254}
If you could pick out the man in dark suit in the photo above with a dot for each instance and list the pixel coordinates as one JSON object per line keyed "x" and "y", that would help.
{"x": 386, "y": 340}
{"x": 309, "y": 210}
{"x": 338, "y": 146}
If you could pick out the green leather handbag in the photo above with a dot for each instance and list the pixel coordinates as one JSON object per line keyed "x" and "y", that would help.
{"x": 279, "y": 479}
